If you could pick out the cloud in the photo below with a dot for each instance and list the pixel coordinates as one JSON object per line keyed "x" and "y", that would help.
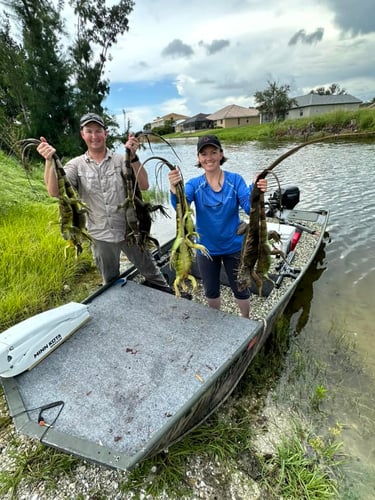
{"x": 354, "y": 18}
{"x": 301, "y": 36}
{"x": 176, "y": 49}
{"x": 255, "y": 42}
{"x": 214, "y": 46}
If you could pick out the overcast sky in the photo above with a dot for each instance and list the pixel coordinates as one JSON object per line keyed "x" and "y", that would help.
{"x": 198, "y": 56}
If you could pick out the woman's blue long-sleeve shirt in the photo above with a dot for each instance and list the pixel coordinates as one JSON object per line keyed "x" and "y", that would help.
{"x": 217, "y": 213}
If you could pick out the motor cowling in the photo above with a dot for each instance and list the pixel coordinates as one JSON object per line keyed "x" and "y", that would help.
{"x": 287, "y": 198}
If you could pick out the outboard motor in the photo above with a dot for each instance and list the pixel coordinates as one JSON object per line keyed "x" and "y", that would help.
{"x": 287, "y": 198}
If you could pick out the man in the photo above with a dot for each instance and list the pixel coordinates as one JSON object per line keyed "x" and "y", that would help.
{"x": 97, "y": 176}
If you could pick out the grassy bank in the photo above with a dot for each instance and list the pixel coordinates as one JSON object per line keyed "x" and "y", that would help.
{"x": 361, "y": 120}
{"x": 35, "y": 274}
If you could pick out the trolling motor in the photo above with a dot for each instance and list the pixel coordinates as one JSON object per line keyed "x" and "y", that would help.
{"x": 283, "y": 198}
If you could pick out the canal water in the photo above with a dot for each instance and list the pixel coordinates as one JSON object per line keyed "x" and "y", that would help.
{"x": 332, "y": 316}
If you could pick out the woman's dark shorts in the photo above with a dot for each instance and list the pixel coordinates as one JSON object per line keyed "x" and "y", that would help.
{"x": 210, "y": 269}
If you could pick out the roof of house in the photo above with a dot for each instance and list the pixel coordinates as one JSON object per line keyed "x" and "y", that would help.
{"x": 321, "y": 100}
{"x": 233, "y": 111}
{"x": 174, "y": 116}
{"x": 200, "y": 117}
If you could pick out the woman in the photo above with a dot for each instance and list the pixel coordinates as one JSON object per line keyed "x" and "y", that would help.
{"x": 217, "y": 196}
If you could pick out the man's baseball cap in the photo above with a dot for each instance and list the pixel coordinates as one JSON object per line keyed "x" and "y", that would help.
{"x": 91, "y": 117}
{"x": 208, "y": 140}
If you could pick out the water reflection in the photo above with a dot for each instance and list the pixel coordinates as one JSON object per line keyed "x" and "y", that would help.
{"x": 298, "y": 310}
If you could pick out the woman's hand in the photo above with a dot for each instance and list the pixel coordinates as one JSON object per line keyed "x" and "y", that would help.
{"x": 261, "y": 184}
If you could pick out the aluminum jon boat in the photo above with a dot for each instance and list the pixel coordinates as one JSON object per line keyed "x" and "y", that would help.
{"x": 131, "y": 370}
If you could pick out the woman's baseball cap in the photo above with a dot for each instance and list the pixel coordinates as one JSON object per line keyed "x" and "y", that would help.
{"x": 208, "y": 140}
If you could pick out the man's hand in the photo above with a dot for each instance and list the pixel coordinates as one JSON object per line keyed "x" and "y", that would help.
{"x": 45, "y": 149}
{"x": 132, "y": 144}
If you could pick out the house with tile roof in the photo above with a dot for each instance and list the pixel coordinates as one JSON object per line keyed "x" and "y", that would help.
{"x": 311, "y": 105}
{"x": 161, "y": 121}
{"x": 235, "y": 116}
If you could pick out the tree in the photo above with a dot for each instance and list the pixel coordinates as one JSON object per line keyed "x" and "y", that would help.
{"x": 333, "y": 89}
{"x": 44, "y": 73}
{"x": 98, "y": 26}
{"x": 53, "y": 82}
{"x": 167, "y": 128}
{"x": 13, "y": 107}
{"x": 274, "y": 101}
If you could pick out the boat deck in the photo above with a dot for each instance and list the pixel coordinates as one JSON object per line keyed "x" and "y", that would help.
{"x": 143, "y": 357}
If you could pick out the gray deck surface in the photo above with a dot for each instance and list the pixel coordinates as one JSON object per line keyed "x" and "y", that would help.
{"x": 135, "y": 363}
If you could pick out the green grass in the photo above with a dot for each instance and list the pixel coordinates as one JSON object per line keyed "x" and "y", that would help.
{"x": 217, "y": 440}
{"x": 318, "y": 395}
{"x": 302, "y": 467}
{"x": 37, "y": 464}
{"x": 34, "y": 271}
{"x": 33, "y": 267}
{"x": 19, "y": 186}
